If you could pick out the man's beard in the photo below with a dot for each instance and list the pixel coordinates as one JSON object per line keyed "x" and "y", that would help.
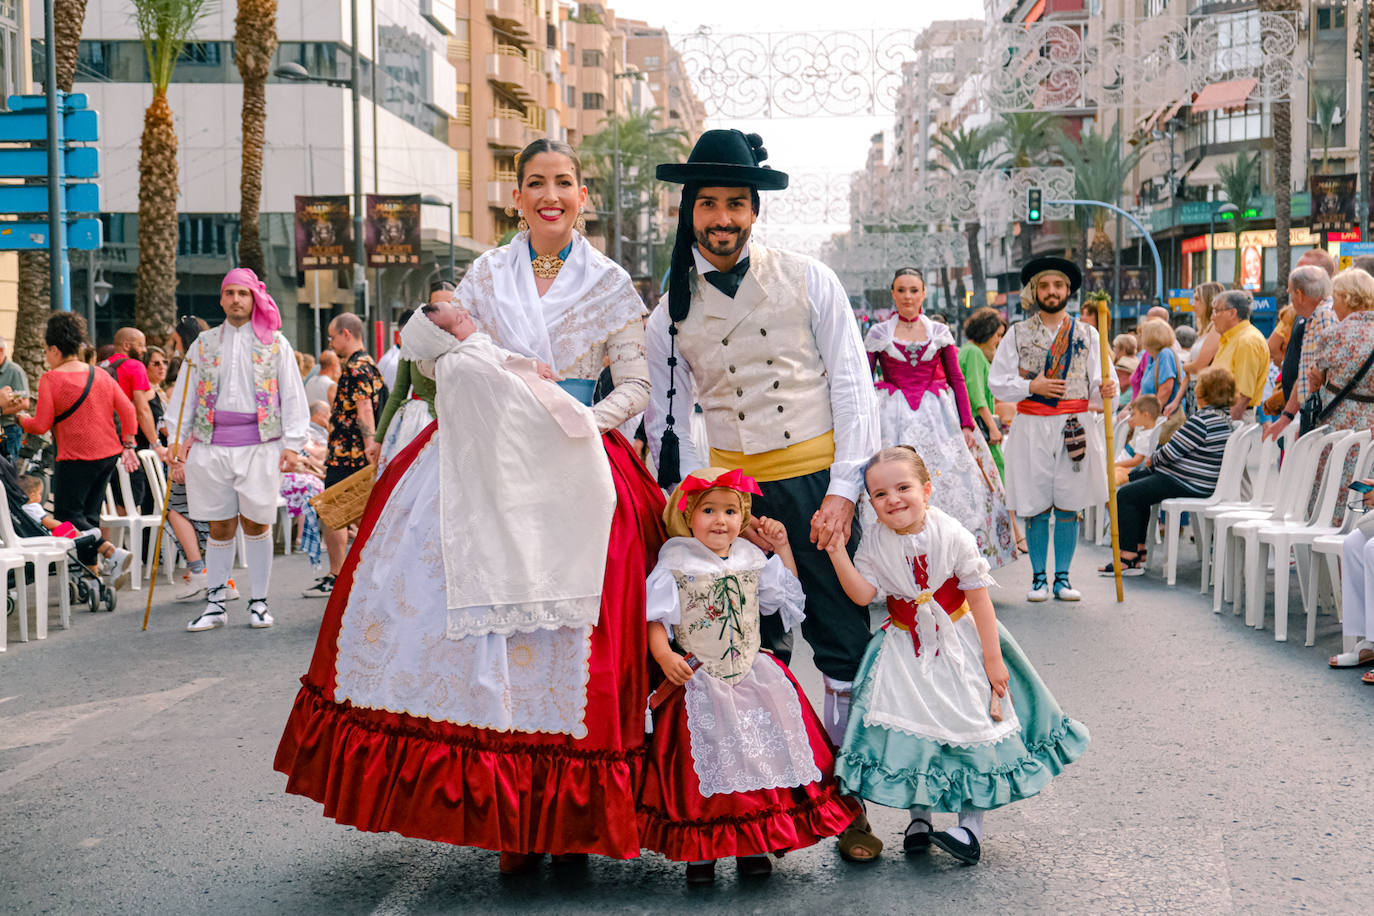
{"x": 1053, "y": 309}
{"x": 722, "y": 249}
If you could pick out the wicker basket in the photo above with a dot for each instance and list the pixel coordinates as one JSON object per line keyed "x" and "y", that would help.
{"x": 342, "y": 504}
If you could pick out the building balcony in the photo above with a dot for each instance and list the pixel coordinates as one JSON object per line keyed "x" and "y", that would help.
{"x": 509, "y": 69}
{"x": 508, "y": 129}
{"x": 501, "y": 190}
{"x": 516, "y": 16}
{"x": 593, "y": 79}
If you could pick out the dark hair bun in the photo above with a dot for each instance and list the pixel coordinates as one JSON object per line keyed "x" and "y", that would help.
{"x": 756, "y": 147}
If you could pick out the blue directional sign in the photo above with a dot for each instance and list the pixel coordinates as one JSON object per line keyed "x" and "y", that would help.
{"x": 26, "y": 123}
{"x": 82, "y": 234}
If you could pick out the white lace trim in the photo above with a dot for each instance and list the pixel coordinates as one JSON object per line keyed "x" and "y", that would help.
{"x": 749, "y": 735}
{"x": 523, "y": 617}
{"x": 1005, "y": 729}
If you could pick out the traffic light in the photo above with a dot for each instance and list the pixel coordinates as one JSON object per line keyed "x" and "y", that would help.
{"x": 1034, "y": 215}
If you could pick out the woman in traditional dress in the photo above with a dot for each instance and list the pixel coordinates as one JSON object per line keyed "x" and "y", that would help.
{"x": 524, "y": 741}
{"x": 923, "y": 402}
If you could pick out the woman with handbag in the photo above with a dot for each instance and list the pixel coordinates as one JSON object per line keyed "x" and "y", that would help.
{"x": 1344, "y": 355}
{"x": 1187, "y": 466}
{"x": 79, "y": 404}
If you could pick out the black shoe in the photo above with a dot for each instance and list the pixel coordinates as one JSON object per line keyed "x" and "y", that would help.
{"x": 753, "y": 866}
{"x": 969, "y": 853}
{"x": 918, "y": 841}
{"x": 701, "y": 874}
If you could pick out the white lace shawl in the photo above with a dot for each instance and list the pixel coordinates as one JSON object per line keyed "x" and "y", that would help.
{"x": 882, "y": 336}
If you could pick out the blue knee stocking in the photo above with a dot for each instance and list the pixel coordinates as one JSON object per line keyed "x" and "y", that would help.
{"x": 1038, "y": 542}
{"x": 1065, "y": 540}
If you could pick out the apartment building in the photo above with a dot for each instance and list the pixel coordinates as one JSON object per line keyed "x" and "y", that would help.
{"x": 408, "y": 88}
{"x": 15, "y": 67}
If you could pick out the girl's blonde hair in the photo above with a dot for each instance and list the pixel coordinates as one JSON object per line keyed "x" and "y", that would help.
{"x": 679, "y": 522}
{"x": 903, "y": 454}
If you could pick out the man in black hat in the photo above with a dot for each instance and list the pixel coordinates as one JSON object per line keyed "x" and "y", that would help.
{"x": 1049, "y": 365}
{"x": 769, "y": 347}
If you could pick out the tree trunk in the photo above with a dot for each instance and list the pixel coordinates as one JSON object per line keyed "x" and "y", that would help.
{"x": 255, "y": 41}
{"x": 975, "y": 265}
{"x": 155, "y": 303}
{"x": 944, "y": 284}
{"x": 1102, "y": 250}
{"x": 1283, "y": 194}
{"x": 1027, "y": 251}
{"x": 35, "y": 298}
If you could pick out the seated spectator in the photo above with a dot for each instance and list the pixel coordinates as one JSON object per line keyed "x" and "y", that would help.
{"x": 1143, "y": 422}
{"x": 1187, "y": 466}
{"x": 1357, "y": 593}
{"x": 1160, "y": 375}
{"x": 34, "y": 509}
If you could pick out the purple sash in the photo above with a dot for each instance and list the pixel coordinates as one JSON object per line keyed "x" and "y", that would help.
{"x": 233, "y": 427}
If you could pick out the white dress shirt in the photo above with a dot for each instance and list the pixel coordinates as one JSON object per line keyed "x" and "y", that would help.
{"x": 235, "y": 392}
{"x": 853, "y": 405}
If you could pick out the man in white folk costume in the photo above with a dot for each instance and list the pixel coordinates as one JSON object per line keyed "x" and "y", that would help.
{"x": 1056, "y": 456}
{"x": 768, "y": 346}
{"x": 245, "y": 419}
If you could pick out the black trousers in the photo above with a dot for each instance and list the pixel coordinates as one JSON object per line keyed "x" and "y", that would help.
{"x": 835, "y": 627}
{"x": 1133, "y": 502}
{"x": 78, "y": 487}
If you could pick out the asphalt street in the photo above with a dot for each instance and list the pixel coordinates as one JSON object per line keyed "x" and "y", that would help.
{"x": 1227, "y": 773}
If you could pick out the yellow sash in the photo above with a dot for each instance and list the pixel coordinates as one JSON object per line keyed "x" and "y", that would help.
{"x": 798, "y": 460}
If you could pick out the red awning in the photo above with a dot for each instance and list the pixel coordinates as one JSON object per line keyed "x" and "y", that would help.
{"x": 1035, "y": 12}
{"x": 1227, "y": 95}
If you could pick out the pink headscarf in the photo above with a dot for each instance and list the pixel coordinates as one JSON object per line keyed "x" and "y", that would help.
{"x": 266, "y": 318}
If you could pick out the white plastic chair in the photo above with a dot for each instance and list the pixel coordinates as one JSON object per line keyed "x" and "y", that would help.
{"x": 136, "y": 523}
{"x": 1227, "y": 489}
{"x": 1325, "y": 554}
{"x": 1295, "y": 533}
{"x": 48, "y": 556}
{"x": 14, "y": 561}
{"x": 1274, "y": 498}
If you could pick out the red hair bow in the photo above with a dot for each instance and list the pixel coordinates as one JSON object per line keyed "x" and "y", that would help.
{"x": 735, "y": 480}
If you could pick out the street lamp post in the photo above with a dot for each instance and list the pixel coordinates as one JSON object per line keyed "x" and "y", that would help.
{"x": 433, "y": 200}
{"x": 295, "y": 72}
{"x": 616, "y": 250}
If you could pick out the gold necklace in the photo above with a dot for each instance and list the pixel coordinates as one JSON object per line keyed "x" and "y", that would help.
{"x": 547, "y": 266}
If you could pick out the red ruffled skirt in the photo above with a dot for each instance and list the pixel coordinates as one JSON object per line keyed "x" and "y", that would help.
{"x": 676, "y": 821}
{"x": 512, "y": 791}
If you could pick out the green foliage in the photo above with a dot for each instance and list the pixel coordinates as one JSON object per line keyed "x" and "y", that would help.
{"x": 1240, "y": 179}
{"x": 164, "y": 26}
{"x": 1100, "y": 169}
{"x": 972, "y": 150}
{"x": 1029, "y": 137}
{"x": 643, "y": 146}
{"x": 1326, "y": 104}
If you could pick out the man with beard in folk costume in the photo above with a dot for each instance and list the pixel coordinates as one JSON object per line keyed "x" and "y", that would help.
{"x": 768, "y": 346}
{"x": 1056, "y": 456}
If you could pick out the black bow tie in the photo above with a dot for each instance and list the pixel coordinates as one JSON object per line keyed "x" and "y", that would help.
{"x": 728, "y": 281}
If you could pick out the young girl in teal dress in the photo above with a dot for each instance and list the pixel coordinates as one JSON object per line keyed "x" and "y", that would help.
{"x": 947, "y": 714}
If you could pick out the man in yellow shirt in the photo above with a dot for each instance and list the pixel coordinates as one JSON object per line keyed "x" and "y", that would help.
{"x": 1243, "y": 351}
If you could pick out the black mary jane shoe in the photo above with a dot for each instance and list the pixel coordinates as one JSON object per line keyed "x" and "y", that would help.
{"x": 753, "y": 866}
{"x": 969, "y": 853}
{"x": 569, "y": 860}
{"x": 918, "y": 841}
{"x": 701, "y": 874}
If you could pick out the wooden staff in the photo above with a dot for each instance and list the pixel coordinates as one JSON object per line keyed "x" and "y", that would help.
{"x": 166, "y": 498}
{"x": 1104, "y": 321}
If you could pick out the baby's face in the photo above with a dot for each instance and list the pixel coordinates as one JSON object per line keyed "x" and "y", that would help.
{"x": 445, "y": 314}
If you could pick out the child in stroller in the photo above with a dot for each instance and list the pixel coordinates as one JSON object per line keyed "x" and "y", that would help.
{"x": 92, "y": 563}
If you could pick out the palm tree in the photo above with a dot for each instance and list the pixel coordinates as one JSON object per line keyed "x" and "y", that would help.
{"x": 1239, "y": 180}
{"x": 164, "y": 26}
{"x": 1326, "y": 104}
{"x": 642, "y": 145}
{"x": 255, "y": 41}
{"x": 1100, "y": 168}
{"x": 970, "y": 150}
{"x": 1028, "y": 137}
{"x": 35, "y": 298}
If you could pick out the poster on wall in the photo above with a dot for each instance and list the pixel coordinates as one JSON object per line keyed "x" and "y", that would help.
{"x": 324, "y": 233}
{"x": 1333, "y": 203}
{"x": 393, "y": 230}
{"x": 1251, "y": 267}
{"x": 1135, "y": 284}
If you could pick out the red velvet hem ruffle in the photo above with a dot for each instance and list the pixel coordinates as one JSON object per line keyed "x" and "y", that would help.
{"x": 378, "y": 775}
{"x": 772, "y": 829}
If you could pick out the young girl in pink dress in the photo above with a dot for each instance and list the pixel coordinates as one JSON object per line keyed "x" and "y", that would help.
{"x": 739, "y": 764}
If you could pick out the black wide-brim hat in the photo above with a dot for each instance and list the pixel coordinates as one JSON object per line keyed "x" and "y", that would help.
{"x": 725, "y": 159}
{"x": 1066, "y": 267}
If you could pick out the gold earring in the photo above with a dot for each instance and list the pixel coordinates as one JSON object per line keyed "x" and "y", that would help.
{"x": 581, "y": 224}
{"x": 510, "y": 211}
{"x": 522, "y": 226}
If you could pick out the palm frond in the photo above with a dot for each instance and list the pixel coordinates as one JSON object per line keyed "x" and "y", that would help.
{"x": 164, "y": 26}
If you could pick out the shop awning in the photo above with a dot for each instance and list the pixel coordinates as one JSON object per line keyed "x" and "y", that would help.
{"x": 1230, "y": 94}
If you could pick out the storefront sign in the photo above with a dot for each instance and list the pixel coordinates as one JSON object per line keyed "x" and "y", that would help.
{"x": 393, "y": 230}
{"x": 1262, "y": 238}
{"x": 1194, "y": 245}
{"x": 324, "y": 233}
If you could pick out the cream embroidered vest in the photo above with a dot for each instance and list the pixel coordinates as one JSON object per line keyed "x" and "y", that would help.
{"x": 759, "y": 376}
{"x": 1033, "y": 341}
{"x": 720, "y": 621}
{"x": 266, "y": 395}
